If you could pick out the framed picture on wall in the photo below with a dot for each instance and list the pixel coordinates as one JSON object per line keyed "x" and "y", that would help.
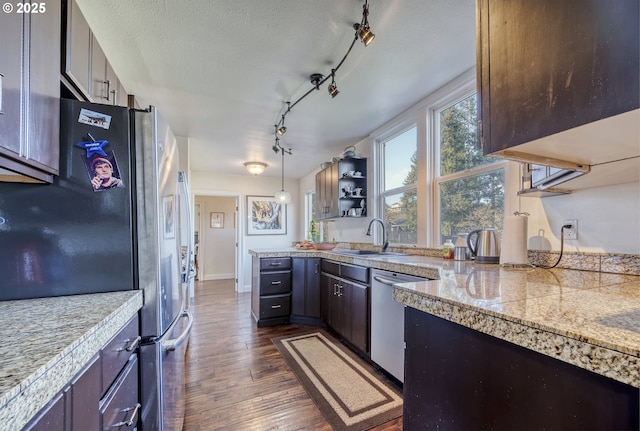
{"x": 216, "y": 220}
{"x": 168, "y": 209}
{"x": 265, "y": 216}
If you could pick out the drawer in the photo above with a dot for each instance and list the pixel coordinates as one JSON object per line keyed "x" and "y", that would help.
{"x": 275, "y": 306}
{"x": 120, "y": 404}
{"x": 354, "y": 272}
{"x": 116, "y": 353}
{"x": 273, "y": 283}
{"x": 331, "y": 267}
{"x": 275, "y": 263}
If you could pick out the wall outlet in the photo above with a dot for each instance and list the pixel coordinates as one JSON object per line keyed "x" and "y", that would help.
{"x": 571, "y": 233}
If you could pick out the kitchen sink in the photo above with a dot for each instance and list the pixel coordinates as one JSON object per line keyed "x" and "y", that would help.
{"x": 369, "y": 253}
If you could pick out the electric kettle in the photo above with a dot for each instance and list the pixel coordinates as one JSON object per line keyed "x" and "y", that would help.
{"x": 486, "y": 247}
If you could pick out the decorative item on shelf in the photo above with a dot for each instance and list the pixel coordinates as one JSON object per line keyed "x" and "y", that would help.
{"x": 349, "y": 154}
{"x": 255, "y": 168}
{"x": 325, "y": 165}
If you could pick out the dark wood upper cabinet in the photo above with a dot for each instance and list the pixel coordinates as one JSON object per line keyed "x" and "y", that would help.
{"x": 547, "y": 66}
{"x": 30, "y": 94}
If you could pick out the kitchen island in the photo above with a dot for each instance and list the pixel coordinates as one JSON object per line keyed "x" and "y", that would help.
{"x": 47, "y": 341}
{"x": 590, "y": 320}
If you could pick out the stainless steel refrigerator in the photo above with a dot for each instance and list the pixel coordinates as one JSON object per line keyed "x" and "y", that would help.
{"x": 111, "y": 221}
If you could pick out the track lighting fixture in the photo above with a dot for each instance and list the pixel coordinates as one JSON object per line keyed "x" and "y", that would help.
{"x": 255, "y": 168}
{"x": 364, "y": 33}
{"x": 333, "y": 88}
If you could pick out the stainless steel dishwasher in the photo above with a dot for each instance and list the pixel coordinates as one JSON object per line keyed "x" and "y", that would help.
{"x": 387, "y": 322}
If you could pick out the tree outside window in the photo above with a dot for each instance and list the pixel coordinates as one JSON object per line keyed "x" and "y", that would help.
{"x": 471, "y": 190}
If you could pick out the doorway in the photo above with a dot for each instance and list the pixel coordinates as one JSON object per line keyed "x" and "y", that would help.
{"x": 217, "y": 237}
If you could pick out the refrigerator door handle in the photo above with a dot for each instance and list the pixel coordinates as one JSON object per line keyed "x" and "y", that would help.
{"x": 172, "y": 345}
{"x": 187, "y": 273}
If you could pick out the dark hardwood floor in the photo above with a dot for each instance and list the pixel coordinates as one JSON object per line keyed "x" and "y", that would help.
{"x": 235, "y": 377}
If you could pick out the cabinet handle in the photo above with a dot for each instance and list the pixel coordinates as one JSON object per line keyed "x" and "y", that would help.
{"x": 317, "y": 268}
{"x": 1, "y": 76}
{"x": 275, "y": 264}
{"x": 275, "y": 283}
{"x": 107, "y": 83}
{"x": 131, "y": 347}
{"x": 130, "y": 422}
{"x": 276, "y": 306}
{"x": 114, "y": 92}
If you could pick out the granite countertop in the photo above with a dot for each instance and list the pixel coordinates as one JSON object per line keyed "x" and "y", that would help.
{"x": 46, "y": 341}
{"x": 589, "y": 319}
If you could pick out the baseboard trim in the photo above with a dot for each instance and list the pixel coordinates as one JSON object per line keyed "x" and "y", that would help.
{"x": 208, "y": 277}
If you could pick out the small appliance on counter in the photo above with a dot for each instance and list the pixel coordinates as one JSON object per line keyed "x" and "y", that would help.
{"x": 485, "y": 247}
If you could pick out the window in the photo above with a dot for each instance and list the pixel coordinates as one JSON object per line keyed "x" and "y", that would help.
{"x": 470, "y": 185}
{"x": 399, "y": 195}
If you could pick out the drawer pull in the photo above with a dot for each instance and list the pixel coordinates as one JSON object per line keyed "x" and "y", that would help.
{"x": 130, "y": 422}
{"x": 275, "y": 283}
{"x": 275, "y": 264}
{"x": 276, "y": 306}
{"x": 131, "y": 347}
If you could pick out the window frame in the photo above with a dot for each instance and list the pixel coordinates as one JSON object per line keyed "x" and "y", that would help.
{"x": 425, "y": 116}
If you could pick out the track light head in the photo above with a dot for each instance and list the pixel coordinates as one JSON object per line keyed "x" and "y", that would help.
{"x": 333, "y": 89}
{"x": 364, "y": 33}
{"x": 282, "y": 130}
{"x": 275, "y": 149}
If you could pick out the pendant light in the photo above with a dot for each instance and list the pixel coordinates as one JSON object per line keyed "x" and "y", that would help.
{"x": 283, "y": 197}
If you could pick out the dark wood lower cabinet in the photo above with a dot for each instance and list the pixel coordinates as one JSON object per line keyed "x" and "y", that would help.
{"x": 460, "y": 379}
{"x": 345, "y": 304}
{"x": 103, "y": 396}
{"x": 305, "y": 290}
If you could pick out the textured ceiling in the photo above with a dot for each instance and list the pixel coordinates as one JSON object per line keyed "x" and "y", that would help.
{"x": 221, "y": 71}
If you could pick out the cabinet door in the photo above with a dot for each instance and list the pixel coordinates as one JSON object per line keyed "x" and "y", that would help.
{"x": 43, "y": 147}
{"x": 98, "y": 89}
{"x": 86, "y": 390}
{"x": 312, "y": 287}
{"x": 10, "y": 80}
{"x": 77, "y": 48}
{"x": 52, "y": 417}
{"x": 359, "y": 314}
{"x": 548, "y": 66}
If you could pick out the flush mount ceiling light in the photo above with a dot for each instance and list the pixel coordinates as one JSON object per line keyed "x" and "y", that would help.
{"x": 364, "y": 33}
{"x": 255, "y": 168}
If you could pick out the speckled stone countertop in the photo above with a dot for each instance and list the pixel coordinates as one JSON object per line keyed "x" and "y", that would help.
{"x": 589, "y": 319}
{"x": 46, "y": 341}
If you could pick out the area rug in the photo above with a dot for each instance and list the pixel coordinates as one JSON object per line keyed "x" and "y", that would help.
{"x": 350, "y": 393}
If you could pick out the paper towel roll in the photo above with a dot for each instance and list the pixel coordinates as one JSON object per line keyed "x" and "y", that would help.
{"x": 514, "y": 240}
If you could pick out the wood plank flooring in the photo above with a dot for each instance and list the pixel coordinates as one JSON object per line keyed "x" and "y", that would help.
{"x": 235, "y": 377}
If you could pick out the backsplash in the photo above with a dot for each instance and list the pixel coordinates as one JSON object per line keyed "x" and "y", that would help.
{"x": 599, "y": 262}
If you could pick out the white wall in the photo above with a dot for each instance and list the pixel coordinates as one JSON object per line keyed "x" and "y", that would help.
{"x": 216, "y": 254}
{"x": 608, "y": 219}
{"x": 205, "y": 183}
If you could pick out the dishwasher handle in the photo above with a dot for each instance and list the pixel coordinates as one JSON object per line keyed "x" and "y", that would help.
{"x": 386, "y": 281}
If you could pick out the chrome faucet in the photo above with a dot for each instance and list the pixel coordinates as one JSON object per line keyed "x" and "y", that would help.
{"x": 385, "y": 241}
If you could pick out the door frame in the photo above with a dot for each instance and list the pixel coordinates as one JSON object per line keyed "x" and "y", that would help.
{"x": 239, "y": 226}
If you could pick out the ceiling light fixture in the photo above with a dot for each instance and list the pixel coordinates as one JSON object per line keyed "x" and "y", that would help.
{"x": 283, "y": 196}
{"x": 333, "y": 88}
{"x": 255, "y": 168}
